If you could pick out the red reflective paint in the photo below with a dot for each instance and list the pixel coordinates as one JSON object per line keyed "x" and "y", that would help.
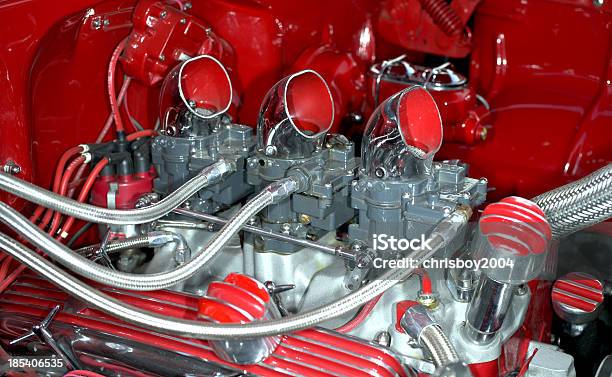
{"x": 205, "y": 82}
{"x": 308, "y": 102}
{"x": 130, "y": 188}
{"x": 238, "y": 297}
{"x": 548, "y": 81}
{"x": 420, "y": 128}
{"x": 249, "y": 284}
{"x": 579, "y": 291}
{"x": 486, "y": 369}
{"x": 550, "y": 102}
{"x": 517, "y": 225}
{"x": 432, "y": 26}
{"x": 163, "y": 35}
{"x": 343, "y": 72}
{"x": 306, "y": 352}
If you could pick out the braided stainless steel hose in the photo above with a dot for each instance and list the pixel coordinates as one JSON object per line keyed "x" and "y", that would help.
{"x": 208, "y": 176}
{"x": 438, "y": 345}
{"x": 418, "y": 323}
{"x": 442, "y": 234}
{"x": 147, "y": 282}
{"x": 151, "y": 239}
{"x": 579, "y": 204}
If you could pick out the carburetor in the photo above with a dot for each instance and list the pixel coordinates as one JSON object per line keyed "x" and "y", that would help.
{"x": 401, "y": 191}
{"x": 292, "y": 140}
{"x": 196, "y": 132}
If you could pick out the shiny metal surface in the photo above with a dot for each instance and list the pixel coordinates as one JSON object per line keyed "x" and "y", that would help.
{"x": 514, "y": 232}
{"x": 402, "y": 135}
{"x": 418, "y": 323}
{"x": 579, "y": 204}
{"x": 116, "y": 355}
{"x": 42, "y": 332}
{"x": 527, "y": 88}
{"x": 209, "y": 175}
{"x": 332, "y": 250}
{"x": 488, "y": 308}
{"x": 96, "y": 340}
{"x": 457, "y": 369}
{"x": 398, "y": 70}
{"x": 295, "y": 116}
{"x": 461, "y": 283}
{"x": 443, "y": 234}
{"x": 248, "y": 351}
{"x": 415, "y": 320}
{"x": 578, "y": 298}
{"x": 101, "y": 274}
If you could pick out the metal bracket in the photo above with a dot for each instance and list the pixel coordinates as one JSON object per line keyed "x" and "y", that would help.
{"x": 274, "y": 290}
{"x": 101, "y": 252}
{"x": 41, "y": 331}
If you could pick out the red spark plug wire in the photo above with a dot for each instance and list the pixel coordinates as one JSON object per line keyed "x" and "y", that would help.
{"x": 138, "y": 134}
{"x": 94, "y": 174}
{"x": 68, "y": 154}
{"x": 103, "y": 131}
{"x": 91, "y": 178}
{"x": 112, "y": 68}
{"x": 115, "y": 116}
{"x": 64, "y": 187}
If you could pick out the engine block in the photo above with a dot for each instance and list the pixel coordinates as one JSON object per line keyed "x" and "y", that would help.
{"x": 281, "y": 191}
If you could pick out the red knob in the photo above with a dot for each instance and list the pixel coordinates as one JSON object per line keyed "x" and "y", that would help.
{"x": 242, "y": 295}
{"x": 515, "y": 233}
{"x": 516, "y": 225}
{"x": 577, "y": 297}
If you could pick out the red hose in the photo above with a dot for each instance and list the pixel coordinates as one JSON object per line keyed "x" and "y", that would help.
{"x": 91, "y": 178}
{"x": 126, "y": 107}
{"x": 4, "y": 267}
{"x": 62, "y": 163}
{"x": 444, "y": 16}
{"x": 114, "y": 116}
{"x": 94, "y": 174}
{"x": 46, "y": 219}
{"x": 115, "y": 102}
{"x": 5, "y": 262}
{"x": 36, "y": 215}
{"x": 111, "y": 117}
{"x": 75, "y": 183}
{"x": 112, "y": 68}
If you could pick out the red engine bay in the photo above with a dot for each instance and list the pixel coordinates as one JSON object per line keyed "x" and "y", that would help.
{"x": 179, "y": 174}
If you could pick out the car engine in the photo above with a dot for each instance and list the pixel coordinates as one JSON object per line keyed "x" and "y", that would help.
{"x": 272, "y": 188}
